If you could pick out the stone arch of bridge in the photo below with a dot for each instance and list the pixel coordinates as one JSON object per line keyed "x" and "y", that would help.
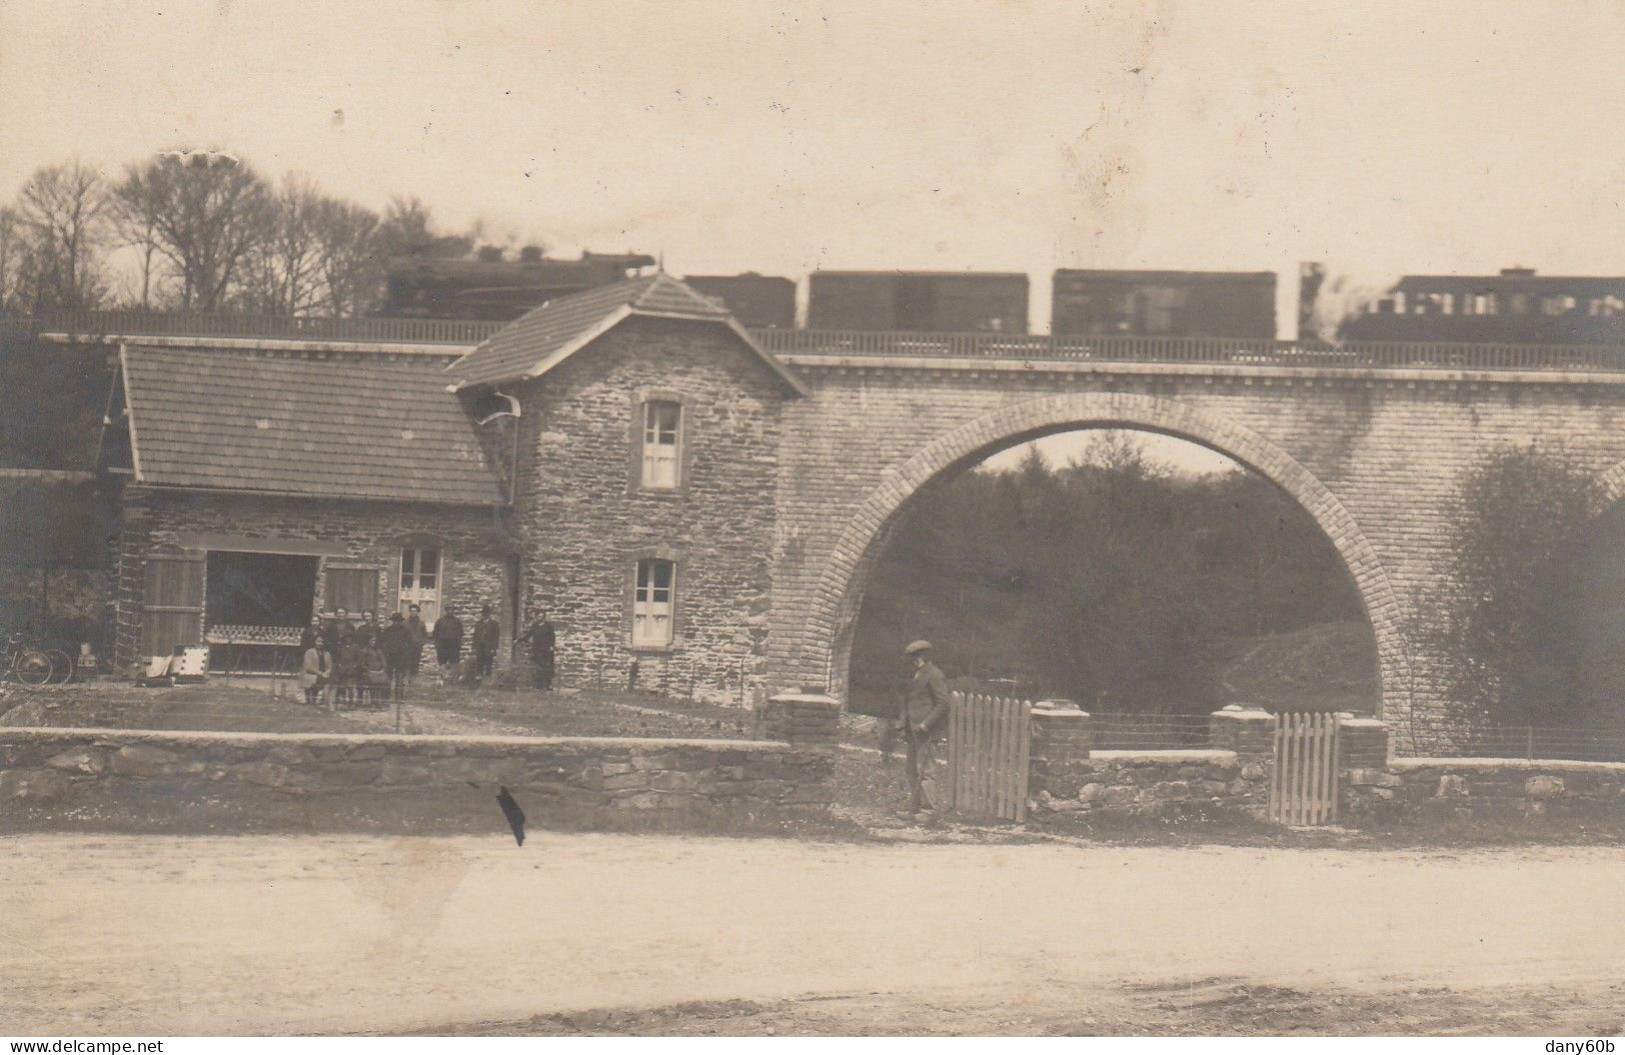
{"x": 1610, "y": 487}
{"x": 839, "y": 595}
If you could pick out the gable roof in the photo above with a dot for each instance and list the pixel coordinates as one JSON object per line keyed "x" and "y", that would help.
{"x": 368, "y": 426}
{"x": 541, "y": 339}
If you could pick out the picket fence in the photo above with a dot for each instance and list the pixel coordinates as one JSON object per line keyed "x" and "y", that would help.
{"x": 989, "y": 746}
{"x": 1304, "y": 784}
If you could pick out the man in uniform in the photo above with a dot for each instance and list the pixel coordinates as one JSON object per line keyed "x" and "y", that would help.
{"x": 448, "y": 644}
{"x": 487, "y": 635}
{"x": 418, "y": 634}
{"x": 924, "y": 722}
{"x": 542, "y": 638}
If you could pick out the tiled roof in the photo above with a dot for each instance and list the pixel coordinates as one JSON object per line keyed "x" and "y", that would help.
{"x": 360, "y": 425}
{"x": 541, "y": 339}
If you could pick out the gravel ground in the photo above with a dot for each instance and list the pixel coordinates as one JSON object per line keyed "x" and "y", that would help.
{"x": 611, "y": 933}
{"x": 263, "y": 705}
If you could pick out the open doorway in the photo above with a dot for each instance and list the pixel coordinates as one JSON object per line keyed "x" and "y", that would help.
{"x": 255, "y": 607}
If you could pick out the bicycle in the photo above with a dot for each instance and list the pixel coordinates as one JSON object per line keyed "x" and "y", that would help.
{"x": 27, "y": 664}
{"x": 62, "y": 668}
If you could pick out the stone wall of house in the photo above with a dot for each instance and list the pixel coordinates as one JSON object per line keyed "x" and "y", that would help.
{"x": 186, "y": 781}
{"x": 585, "y": 521}
{"x": 477, "y": 552}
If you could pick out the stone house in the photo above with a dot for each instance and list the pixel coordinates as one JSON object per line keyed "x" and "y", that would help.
{"x": 609, "y": 457}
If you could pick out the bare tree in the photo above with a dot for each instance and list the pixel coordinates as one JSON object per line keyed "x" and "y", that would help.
{"x": 407, "y": 226}
{"x": 352, "y": 270}
{"x": 408, "y": 229}
{"x": 62, "y": 212}
{"x": 12, "y": 248}
{"x": 138, "y": 232}
{"x": 283, "y": 275}
{"x": 208, "y": 213}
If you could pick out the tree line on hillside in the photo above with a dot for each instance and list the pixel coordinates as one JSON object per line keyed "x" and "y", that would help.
{"x": 1112, "y": 581}
{"x": 203, "y": 231}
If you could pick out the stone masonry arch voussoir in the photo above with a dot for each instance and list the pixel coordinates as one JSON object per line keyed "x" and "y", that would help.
{"x": 841, "y": 585}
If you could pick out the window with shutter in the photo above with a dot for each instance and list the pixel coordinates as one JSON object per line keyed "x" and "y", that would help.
{"x": 352, "y": 587}
{"x": 654, "y": 603}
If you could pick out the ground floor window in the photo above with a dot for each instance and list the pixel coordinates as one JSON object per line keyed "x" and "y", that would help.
{"x": 420, "y": 581}
{"x": 654, "y": 603}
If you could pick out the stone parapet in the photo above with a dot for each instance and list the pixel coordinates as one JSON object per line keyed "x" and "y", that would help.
{"x": 56, "y": 778}
{"x": 1152, "y": 784}
{"x": 1423, "y": 790}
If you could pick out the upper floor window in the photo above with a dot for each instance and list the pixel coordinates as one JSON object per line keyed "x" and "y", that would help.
{"x": 662, "y": 439}
{"x": 654, "y": 603}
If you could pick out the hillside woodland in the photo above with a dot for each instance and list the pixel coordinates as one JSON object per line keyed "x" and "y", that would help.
{"x": 1121, "y": 583}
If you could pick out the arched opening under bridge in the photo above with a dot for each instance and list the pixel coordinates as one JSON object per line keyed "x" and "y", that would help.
{"x": 913, "y": 485}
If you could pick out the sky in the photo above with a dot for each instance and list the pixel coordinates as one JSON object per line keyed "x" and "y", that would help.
{"x": 1017, "y": 135}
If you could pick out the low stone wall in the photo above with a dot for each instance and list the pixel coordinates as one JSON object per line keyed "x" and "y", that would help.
{"x": 1151, "y": 784}
{"x": 77, "y": 778}
{"x": 1442, "y": 789}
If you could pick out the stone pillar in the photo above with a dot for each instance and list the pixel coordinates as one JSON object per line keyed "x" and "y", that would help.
{"x": 1060, "y": 732}
{"x": 1362, "y": 742}
{"x": 1248, "y": 731}
{"x": 803, "y": 719}
{"x": 1061, "y": 735}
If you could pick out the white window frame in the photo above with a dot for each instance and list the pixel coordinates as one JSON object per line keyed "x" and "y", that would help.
{"x": 654, "y": 607}
{"x": 662, "y": 446}
{"x": 409, "y": 581}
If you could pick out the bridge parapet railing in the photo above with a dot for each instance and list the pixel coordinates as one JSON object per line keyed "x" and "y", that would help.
{"x": 859, "y": 344}
{"x": 1196, "y": 350}
{"x": 272, "y": 327}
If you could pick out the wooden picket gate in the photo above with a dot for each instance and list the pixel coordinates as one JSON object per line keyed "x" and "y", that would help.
{"x": 1304, "y": 785}
{"x": 989, "y": 744}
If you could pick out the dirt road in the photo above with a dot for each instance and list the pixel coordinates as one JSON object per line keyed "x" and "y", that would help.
{"x": 151, "y": 936}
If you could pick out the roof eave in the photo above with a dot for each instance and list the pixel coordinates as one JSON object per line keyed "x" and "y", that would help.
{"x": 554, "y": 358}
{"x": 314, "y": 496}
{"x": 129, "y": 413}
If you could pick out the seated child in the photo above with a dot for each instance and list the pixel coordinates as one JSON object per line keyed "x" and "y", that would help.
{"x": 374, "y": 675}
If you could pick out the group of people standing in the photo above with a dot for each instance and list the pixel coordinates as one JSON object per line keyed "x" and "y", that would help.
{"x": 360, "y": 662}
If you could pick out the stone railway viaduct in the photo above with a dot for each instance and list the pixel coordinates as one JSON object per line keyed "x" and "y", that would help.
{"x": 1373, "y": 441}
{"x": 1374, "y": 454}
